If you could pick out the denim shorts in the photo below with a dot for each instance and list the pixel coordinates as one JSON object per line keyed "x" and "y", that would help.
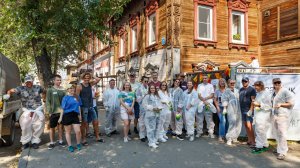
{"x": 89, "y": 114}
{"x": 247, "y": 118}
{"x": 136, "y": 108}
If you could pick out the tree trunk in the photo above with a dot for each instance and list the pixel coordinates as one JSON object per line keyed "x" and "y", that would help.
{"x": 43, "y": 64}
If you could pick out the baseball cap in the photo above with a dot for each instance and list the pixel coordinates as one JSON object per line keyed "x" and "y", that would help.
{"x": 276, "y": 80}
{"x": 28, "y": 79}
{"x": 245, "y": 79}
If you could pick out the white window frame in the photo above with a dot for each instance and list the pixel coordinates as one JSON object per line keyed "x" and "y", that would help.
{"x": 134, "y": 38}
{"x": 242, "y": 16}
{"x": 121, "y": 49}
{"x": 210, "y": 19}
{"x": 152, "y": 40}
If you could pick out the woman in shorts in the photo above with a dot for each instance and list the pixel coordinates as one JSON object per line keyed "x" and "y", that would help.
{"x": 127, "y": 99}
{"x": 71, "y": 117}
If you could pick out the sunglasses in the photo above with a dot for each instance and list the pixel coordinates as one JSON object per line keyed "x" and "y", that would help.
{"x": 275, "y": 83}
{"x": 245, "y": 81}
{"x": 146, "y": 81}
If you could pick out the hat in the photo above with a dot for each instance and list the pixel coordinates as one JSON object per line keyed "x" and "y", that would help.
{"x": 276, "y": 80}
{"x": 28, "y": 79}
{"x": 245, "y": 79}
{"x": 68, "y": 86}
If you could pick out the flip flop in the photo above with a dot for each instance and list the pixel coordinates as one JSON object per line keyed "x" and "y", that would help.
{"x": 100, "y": 140}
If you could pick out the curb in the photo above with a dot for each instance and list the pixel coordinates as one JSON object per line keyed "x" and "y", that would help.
{"x": 23, "y": 161}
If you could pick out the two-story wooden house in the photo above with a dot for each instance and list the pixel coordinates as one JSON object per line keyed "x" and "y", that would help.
{"x": 169, "y": 36}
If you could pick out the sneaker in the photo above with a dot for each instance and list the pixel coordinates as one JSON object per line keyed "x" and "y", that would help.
{"x": 115, "y": 132}
{"x": 198, "y": 135}
{"x": 212, "y": 136}
{"x": 229, "y": 142}
{"x": 79, "y": 146}
{"x": 162, "y": 139}
{"x": 166, "y": 137}
{"x": 157, "y": 143}
{"x": 191, "y": 138}
{"x": 129, "y": 139}
{"x": 71, "y": 149}
{"x": 108, "y": 135}
{"x": 35, "y": 146}
{"x": 154, "y": 146}
{"x": 179, "y": 137}
{"x": 51, "y": 146}
{"x": 173, "y": 134}
{"x": 25, "y": 146}
{"x": 136, "y": 130}
{"x": 281, "y": 157}
{"x": 235, "y": 141}
{"x": 125, "y": 139}
{"x": 143, "y": 139}
{"x": 265, "y": 148}
{"x": 220, "y": 139}
{"x": 62, "y": 144}
{"x": 257, "y": 151}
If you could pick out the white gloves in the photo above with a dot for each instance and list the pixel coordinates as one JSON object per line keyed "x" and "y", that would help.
{"x": 6, "y": 97}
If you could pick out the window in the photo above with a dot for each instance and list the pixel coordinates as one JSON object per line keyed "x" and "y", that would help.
{"x": 121, "y": 50}
{"x": 134, "y": 39}
{"x": 205, "y": 22}
{"x": 238, "y": 27}
{"x": 152, "y": 29}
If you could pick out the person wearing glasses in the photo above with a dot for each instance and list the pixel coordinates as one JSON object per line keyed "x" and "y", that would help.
{"x": 177, "y": 113}
{"x": 230, "y": 102}
{"x": 247, "y": 96}
{"x": 262, "y": 114}
{"x": 282, "y": 103}
{"x": 190, "y": 107}
{"x": 165, "y": 115}
{"x": 141, "y": 92}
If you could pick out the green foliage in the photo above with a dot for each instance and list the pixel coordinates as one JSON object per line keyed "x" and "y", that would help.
{"x": 62, "y": 27}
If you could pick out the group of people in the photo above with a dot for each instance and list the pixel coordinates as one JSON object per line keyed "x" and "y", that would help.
{"x": 159, "y": 109}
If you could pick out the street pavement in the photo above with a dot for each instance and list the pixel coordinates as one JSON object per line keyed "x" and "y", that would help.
{"x": 203, "y": 152}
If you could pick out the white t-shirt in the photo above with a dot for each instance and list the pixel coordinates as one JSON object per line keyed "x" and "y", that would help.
{"x": 205, "y": 90}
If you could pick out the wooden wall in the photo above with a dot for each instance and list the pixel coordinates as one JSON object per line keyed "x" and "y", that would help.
{"x": 280, "y": 32}
{"x": 221, "y": 54}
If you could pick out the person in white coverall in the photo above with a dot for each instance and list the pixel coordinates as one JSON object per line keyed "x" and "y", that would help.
{"x": 152, "y": 106}
{"x": 262, "y": 114}
{"x": 141, "y": 92}
{"x": 230, "y": 102}
{"x": 112, "y": 107}
{"x": 190, "y": 103}
{"x": 205, "y": 108}
{"x": 177, "y": 123}
{"x": 165, "y": 115}
{"x": 32, "y": 120}
{"x": 282, "y": 103}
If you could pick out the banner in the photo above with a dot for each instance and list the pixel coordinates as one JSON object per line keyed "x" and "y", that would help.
{"x": 289, "y": 81}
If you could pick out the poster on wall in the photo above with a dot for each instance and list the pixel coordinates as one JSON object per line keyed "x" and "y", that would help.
{"x": 292, "y": 83}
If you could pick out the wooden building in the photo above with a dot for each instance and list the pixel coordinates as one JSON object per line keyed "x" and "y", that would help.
{"x": 171, "y": 35}
{"x": 280, "y": 32}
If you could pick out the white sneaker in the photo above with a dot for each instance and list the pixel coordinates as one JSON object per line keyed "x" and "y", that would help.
{"x": 212, "y": 136}
{"x": 191, "y": 138}
{"x": 235, "y": 141}
{"x": 154, "y": 146}
{"x": 162, "y": 140}
{"x": 125, "y": 139}
{"x": 229, "y": 142}
{"x": 198, "y": 135}
{"x": 129, "y": 139}
{"x": 157, "y": 143}
{"x": 166, "y": 137}
{"x": 187, "y": 136}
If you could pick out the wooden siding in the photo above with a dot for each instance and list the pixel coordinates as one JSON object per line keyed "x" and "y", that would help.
{"x": 280, "y": 45}
{"x": 221, "y": 54}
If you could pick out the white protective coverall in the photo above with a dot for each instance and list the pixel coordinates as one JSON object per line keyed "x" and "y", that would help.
{"x": 205, "y": 90}
{"x": 230, "y": 101}
{"x": 191, "y": 101}
{"x": 32, "y": 127}
{"x": 141, "y": 92}
{"x": 177, "y": 97}
{"x": 262, "y": 116}
{"x": 165, "y": 115}
{"x": 112, "y": 107}
{"x": 151, "y": 117}
{"x": 280, "y": 118}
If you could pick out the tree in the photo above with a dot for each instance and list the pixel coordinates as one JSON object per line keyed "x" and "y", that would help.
{"x": 49, "y": 31}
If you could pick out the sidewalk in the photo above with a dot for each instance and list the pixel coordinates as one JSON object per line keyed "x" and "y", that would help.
{"x": 203, "y": 152}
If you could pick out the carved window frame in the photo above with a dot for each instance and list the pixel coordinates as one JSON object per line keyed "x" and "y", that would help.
{"x": 151, "y": 8}
{"x": 134, "y": 22}
{"x": 206, "y": 3}
{"x": 122, "y": 36}
{"x": 242, "y": 7}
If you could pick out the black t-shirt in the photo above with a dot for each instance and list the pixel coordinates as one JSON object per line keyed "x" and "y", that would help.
{"x": 245, "y": 98}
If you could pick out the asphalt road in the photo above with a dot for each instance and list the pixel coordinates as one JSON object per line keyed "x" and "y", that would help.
{"x": 203, "y": 152}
